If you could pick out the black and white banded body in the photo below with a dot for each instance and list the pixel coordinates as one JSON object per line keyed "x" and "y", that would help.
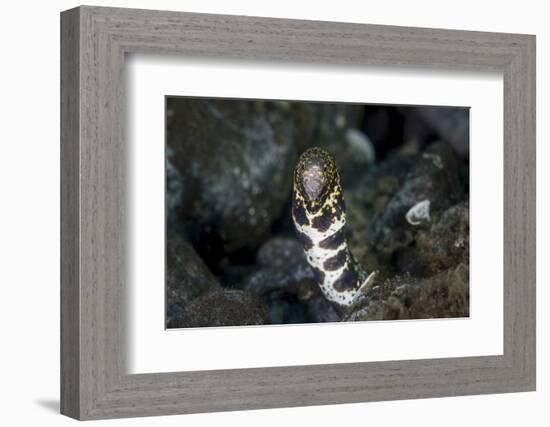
{"x": 319, "y": 215}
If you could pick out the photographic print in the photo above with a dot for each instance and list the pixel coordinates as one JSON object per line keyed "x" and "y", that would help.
{"x": 292, "y": 212}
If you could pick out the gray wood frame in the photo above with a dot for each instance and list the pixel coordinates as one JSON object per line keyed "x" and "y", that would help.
{"x": 94, "y": 41}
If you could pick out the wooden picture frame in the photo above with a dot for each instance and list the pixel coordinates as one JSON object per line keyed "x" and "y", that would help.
{"x": 94, "y": 41}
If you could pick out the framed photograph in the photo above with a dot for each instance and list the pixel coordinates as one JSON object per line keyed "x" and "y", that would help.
{"x": 262, "y": 213}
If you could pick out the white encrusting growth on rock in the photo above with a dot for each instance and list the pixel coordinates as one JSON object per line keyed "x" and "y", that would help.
{"x": 419, "y": 213}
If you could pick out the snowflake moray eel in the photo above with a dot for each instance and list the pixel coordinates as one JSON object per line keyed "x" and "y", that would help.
{"x": 319, "y": 216}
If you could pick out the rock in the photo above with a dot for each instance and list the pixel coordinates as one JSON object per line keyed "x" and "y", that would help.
{"x": 444, "y": 244}
{"x": 281, "y": 265}
{"x": 360, "y": 146}
{"x": 223, "y": 307}
{"x": 280, "y": 252}
{"x": 265, "y": 280}
{"x": 322, "y": 310}
{"x": 187, "y": 276}
{"x": 286, "y": 309}
{"x": 234, "y": 160}
{"x": 173, "y": 190}
{"x": 433, "y": 179}
{"x": 445, "y": 294}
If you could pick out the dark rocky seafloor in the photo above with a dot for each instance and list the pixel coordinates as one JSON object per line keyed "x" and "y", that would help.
{"x": 232, "y": 257}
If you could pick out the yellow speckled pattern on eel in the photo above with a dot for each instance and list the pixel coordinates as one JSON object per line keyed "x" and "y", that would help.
{"x": 319, "y": 215}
